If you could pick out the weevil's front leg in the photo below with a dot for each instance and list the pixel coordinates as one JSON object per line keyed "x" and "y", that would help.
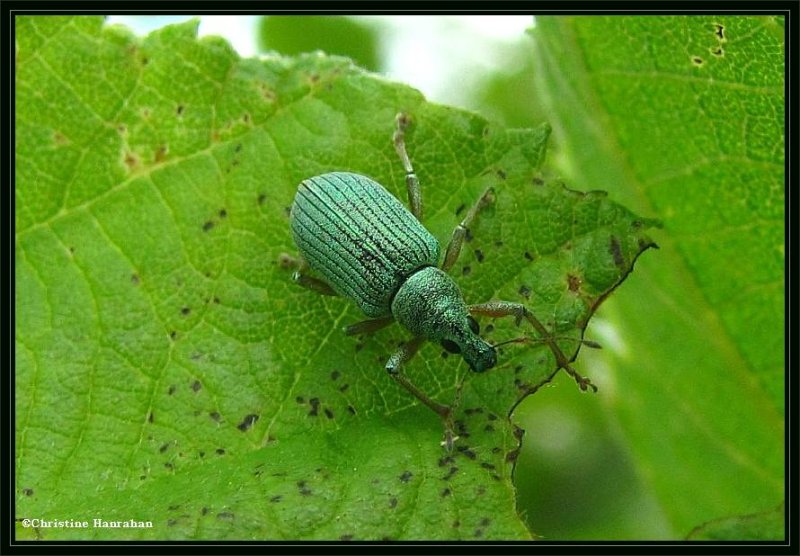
{"x": 460, "y": 232}
{"x": 367, "y": 326}
{"x": 304, "y": 280}
{"x": 495, "y": 309}
{"x": 412, "y": 183}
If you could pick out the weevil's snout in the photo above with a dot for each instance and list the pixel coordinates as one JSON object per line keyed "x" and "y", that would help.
{"x": 480, "y": 357}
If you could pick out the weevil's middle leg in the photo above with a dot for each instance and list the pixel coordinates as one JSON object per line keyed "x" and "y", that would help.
{"x": 460, "y": 231}
{"x": 495, "y": 309}
{"x": 302, "y": 279}
{"x": 367, "y": 326}
{"x": 412, "y": 183}
{"x": 403, "y": 354}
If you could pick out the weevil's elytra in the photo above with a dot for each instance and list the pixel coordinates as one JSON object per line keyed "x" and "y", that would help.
{"x": 360, "y": 238}
{"x": 366, "y": 246}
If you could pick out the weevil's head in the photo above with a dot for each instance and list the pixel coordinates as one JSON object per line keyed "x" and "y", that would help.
{"x": 429, "y": 304}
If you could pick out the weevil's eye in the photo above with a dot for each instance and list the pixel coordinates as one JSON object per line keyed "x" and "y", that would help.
{"x": 473, "y": 325}
{"x": 451, "y": 346}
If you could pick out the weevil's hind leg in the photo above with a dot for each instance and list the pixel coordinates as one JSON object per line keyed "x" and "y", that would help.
{"x": 495, "y": 309}
{"x": 302, "y": 279}
{"x": 367, "y": 326}
{"x": 460, "y": 231}
{"x": 412, "y": 183}
{"x": 400, "y": 357}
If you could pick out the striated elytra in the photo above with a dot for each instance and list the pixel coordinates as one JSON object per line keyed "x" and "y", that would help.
{"x": 363, "y": 244}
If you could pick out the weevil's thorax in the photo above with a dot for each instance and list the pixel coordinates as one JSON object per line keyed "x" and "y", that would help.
{"x": 430, "y": 304}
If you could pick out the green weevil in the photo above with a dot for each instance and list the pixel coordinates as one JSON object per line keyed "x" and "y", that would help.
{"x": 369, "y": 248}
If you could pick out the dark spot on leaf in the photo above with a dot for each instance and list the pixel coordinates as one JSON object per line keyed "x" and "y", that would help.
{"x": 478, "y": 533}
{"x": 344, "y": 387}
{"x": 524, "y": 291}
{"x": 719, "y": 31}
{"x": 161, "y": 153}
{"x": 359, "y": 346}
{"x": 616, "y": 251}
{"x": 171, "y": 389}
{"x": 122, "y": 129}
{"x": 131, "y": 160}
{"x": 346, "y": 538}
{"x": 203, "y": 510}
{"x": 248, "y": 421}
{"x": 196, "y": 386}
{"x": 393, "y": 502}
{"x": 406, "y": 476}
{"x": 488, "y": 428}
{"x": 574, "y": 282}
{"x": 468, "y": 235}
{"x": 246, "y": 118}
{"x": 445, "y": 493}
{"x": 275, "y": 499}
{"x": 216, "y": 300}
{"x": 473, "y": 410}
{"x": 215, "y": 416}
{"x": 335, "y": 375}
{"x": 169, "y": 465}
{"x": 460, "y": 208}
{"x": 150, "y": 417}
{"x": 303, "y": 489}
{"x": 185, "y": 311}
{"x": 225, "y": 515}
{"x": 501, "y": 174}
{"x": 518, "y": 432}
{"x": 351, "y": 409}
{"x": 179, "y": 109}
{"x": 287, "y": 210}
{"x": 328, "y": 413}
{"x": 466, "y": 270}
{"x": 485, "y": 521}
{"x": 537, "y": 180}
{"x": 220, "y": 451}
{"x": 223, "y": 213}
{"x": 487, "y": 465}
{"x": 171, "y": 522}
{"x": 497, "y": 450}
{"x": 27, "y": 491}
{"x": 445, "y": 355}
{"x": 512, "y": 456}
{"x": 697, "y": 61}
{"x": 261, "y": 198}
{"x": 135, "y": 279}
{"x": 445, "y": 460}
{"x": 481, "y": 490}
{"x": 163, "y": 448}
{"x": 467, "y": 452}
{"x": 208, "y": 225}
{"x": 479, "y": 255}
{"x": 450, "y": 472}
{"x": 528, "y": 256}
{"x": 718, "y": 52}
{"x": 492, "y": 417}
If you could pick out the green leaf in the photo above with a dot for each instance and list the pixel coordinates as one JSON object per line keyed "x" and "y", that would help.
{"x": 682, "y": 117}
{"x": 343, "y": 36}
{"x": 765, "y": 526}
{"x": 169, "y": 371}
